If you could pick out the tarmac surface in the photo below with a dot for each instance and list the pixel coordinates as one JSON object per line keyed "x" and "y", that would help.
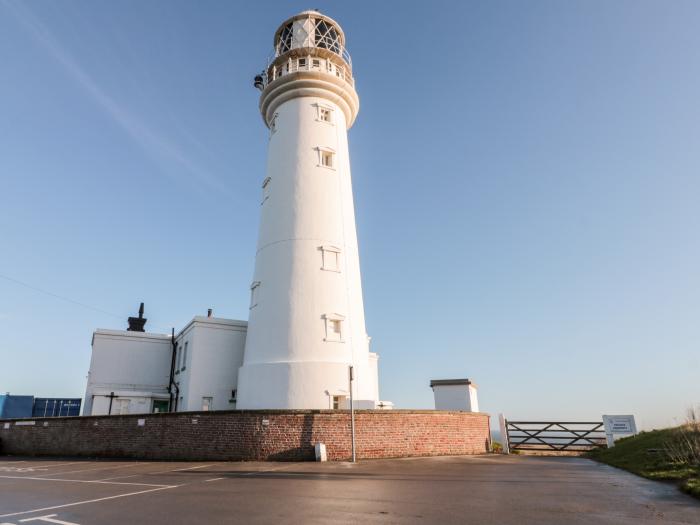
{"x": 481, "y": 490}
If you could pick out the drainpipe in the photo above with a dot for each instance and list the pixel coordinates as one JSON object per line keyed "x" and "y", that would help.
{"x": 172, "y": 376}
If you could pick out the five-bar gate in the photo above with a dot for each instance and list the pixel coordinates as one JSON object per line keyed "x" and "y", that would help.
{"x": 543, "y": 436}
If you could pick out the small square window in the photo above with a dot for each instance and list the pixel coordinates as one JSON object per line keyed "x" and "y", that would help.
{"x": 339, "y": 72}
{"x": 330, "y": 258}
{"x": 334, "y": 327}
{"x": 326, "y": 158}
{"x": 266, "y": 189}
{"x": 254, "y": 290}
{"x": 302, "y": 63}
{"x": 316, "y": 63}
{"x": 325, "y": 114}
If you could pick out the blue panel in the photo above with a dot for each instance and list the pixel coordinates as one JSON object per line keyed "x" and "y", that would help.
{"x": 16, "y": 406}
{"x": 56, "y": 407}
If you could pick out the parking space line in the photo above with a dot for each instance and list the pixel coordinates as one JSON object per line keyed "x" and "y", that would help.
{"x": 90, "y": 469}
{"x": 50, "y": 518}
{"x": 87, "y": 481}
{"x": 213, "y": 479}
{"x": 182, "y": 469}
{"x": 85, "y": 502}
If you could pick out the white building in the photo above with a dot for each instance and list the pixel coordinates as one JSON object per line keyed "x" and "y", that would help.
{"x": 306, "y": 323}
{"x": 455, "y": 394}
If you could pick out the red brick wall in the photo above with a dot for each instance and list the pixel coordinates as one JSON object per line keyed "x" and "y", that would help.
{"x": 285, "y": 435}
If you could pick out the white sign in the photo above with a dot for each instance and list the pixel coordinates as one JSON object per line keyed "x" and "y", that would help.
{"x": 618, "y": 425}
{"x": 23, "y": 423}
{"x": 6, "y": 426}
{"x": 141, "y": 422}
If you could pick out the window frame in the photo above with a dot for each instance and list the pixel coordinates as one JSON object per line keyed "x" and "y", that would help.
{"x": 320, "y": 108}
{"x": 331, "y": 335}
{"x": 326, "y": 250}
{"x": 322, "y": 151}
{"x": 184, "y": 356}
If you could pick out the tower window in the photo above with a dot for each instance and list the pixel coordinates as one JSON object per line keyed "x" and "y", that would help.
{"x": 254, "y": 290}
{"x": 266, "y": 189}
{"x": 330, "y": 258}
{"x": 302, "y": 63}
{"x": 315, "y": 63}
{"x": 325, "y": 114}
{"x": 326, "y": 158}
{"x": 334, "y": 328}
{"x": 273, "y": 123}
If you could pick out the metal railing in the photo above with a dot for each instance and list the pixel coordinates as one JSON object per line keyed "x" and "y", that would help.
{"x": 307, "y": 63}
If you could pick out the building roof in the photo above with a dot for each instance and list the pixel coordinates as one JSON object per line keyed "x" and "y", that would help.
{"x": 449, "y": 382}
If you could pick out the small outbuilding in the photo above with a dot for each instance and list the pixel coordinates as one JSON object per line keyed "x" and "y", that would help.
{"x": 455, "y": 394}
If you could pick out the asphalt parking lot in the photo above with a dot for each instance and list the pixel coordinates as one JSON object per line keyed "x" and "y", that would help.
{"x": 477, "y": 489}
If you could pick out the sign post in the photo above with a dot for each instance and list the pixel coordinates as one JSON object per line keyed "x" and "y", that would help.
{"x": 503, "y": 427}
{"x": 620, "y": 425}
{"x": 351, "y": 376}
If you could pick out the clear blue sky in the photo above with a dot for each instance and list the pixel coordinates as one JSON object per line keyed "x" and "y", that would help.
{"x": 527, "y": 182}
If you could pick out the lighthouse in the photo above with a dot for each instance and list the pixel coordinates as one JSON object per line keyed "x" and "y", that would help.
{"x": 306, "y": 323}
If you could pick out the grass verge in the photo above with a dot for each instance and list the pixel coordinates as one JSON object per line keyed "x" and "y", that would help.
{"x": 646, "y": 454}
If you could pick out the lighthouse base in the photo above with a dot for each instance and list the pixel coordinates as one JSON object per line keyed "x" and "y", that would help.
{"x": 300, "y": 385}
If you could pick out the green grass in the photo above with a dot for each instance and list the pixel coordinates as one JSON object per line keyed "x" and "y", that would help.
{"x": 644, "y": 455}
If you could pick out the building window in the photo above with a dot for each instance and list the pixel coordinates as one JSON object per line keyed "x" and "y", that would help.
{"x": 302, "y": 63}
{"x": 316, "y": 63}
{"x": 339, "y": 72}
{"x": 266, "y": 189}
{"x": 273, "y": 123}
{"x": 324, "y": 114}
{"x": 184, "y": 356}
{"x": 207, "y": 403}
{"x": 326, "y": 158}
{"x": 330, "y": 258}
{"x": 160, "y": 405}
{"x": 334, "y": 327}
{"x": 178, "y": 353}
{"x": 336, "y": 402}
{"x": 254, "y": 290}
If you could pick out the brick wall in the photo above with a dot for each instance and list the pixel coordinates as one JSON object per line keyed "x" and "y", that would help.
{"x": 285, "y": 435}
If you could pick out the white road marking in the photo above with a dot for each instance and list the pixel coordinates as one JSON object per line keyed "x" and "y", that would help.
{"x": 49, "y": 518}
{"x": 192, "y": 468}
{"x": 213, "y": 479}
{"x": 87, "y": 501}
{"x": 86, "y": 481}
{"x": 90, "y": 469}
{"x": 21, "y": 469}
{"x": 181, "y": 469}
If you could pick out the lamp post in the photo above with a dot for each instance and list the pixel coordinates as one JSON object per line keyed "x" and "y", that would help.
{"x": 351, "y": 376}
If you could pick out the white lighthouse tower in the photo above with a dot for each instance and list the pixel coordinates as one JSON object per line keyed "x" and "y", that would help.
{"x": 307, "y": 324}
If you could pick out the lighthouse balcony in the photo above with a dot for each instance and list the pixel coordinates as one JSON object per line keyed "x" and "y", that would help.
{"x": 313, "y": 62}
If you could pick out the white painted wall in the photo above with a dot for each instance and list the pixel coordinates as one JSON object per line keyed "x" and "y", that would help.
{"x": 214, "y": 355}
{"x": 133, "y": 365}
{"x": 456, "y": 397}
{"x": 289, "y": 361}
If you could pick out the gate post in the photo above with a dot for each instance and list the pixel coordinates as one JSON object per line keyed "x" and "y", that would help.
{"x": 503, "y": 424}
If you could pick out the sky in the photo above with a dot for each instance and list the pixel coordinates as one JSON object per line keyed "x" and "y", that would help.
{"x": 526, "y": 179}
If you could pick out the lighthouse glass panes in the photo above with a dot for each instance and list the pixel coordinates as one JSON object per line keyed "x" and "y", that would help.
{"x": 327, "y": 37}
{"x": 285, "y": 41}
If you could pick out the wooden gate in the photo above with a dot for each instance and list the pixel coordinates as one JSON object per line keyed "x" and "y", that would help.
{"x": 543, "y": 436}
